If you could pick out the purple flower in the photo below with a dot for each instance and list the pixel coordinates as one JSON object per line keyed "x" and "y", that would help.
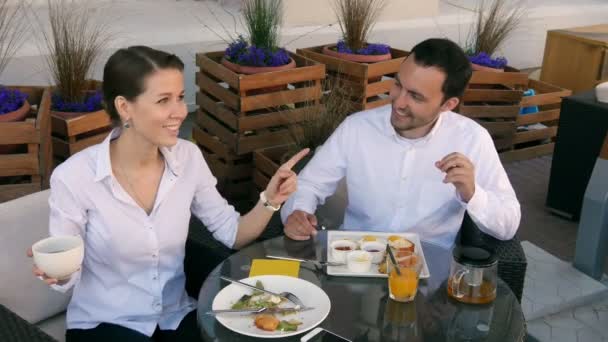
{"x": 240, "y": 52}
{"x": 92, "y": 103}
{"x": 11, "y": 100}
{"x": 484, "y": 59}
{"x": 369, "y": 49}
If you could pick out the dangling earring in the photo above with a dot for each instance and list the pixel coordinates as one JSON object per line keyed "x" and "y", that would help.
{"x": 126, "y": 124}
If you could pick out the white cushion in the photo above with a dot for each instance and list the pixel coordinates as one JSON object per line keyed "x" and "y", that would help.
{"x": 601, "y": 92}
{"x": 24, "y": 221}
{"x": 54, "y": 326}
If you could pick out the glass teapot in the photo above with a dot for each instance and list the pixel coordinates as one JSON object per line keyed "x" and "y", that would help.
{"x": 473, "y": 275}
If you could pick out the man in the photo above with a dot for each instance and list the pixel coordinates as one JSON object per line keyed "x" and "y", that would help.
{"x": 414, "y": 166}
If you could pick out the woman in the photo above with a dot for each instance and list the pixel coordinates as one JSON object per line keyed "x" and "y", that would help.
{"x": 130, "y": 198}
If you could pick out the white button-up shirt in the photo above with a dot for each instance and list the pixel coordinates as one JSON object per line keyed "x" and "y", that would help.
{"x": 132, "y": 274}
{"x": 393, "y": 183}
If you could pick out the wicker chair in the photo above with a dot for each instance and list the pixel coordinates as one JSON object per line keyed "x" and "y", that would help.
{"x": 512, "y": 262}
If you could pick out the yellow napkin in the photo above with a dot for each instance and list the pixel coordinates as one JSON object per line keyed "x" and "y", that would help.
{"x": 274, "y": 267}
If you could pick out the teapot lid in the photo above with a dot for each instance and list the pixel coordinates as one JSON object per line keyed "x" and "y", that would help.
{"x": 474, "y": 256}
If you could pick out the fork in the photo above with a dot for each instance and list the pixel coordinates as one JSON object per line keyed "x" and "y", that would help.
{"x": 287, "y": 295}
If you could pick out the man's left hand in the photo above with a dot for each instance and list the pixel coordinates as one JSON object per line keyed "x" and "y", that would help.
{"x": 460, "y": 171}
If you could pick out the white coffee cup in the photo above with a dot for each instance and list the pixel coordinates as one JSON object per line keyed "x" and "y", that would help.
{"x": 59, "y": 256}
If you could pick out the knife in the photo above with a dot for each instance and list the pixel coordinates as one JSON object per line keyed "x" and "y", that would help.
{"x": 260, "y": 310}
{"x": 328, "y": 263}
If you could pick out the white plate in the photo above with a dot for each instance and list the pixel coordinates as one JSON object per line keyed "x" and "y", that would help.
{"x": 309, "y": 293}
{"x": 333, "y": 235}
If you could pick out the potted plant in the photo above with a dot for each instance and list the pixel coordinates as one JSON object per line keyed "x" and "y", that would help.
{"x": 13, "y": 103}
{"x": 493, "y": 25}
{"x": 259, "y": 52}
{"x": 75, "y": 41}
{"x": 316, "y": 125}
{"x": 356, "y": 19}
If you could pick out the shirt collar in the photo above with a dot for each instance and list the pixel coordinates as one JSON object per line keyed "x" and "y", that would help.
{"x": 390, "y": 130}
{"x": 104, "y": 166}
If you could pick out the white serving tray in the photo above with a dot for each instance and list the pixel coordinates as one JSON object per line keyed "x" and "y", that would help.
{"x": 333, "y": 235}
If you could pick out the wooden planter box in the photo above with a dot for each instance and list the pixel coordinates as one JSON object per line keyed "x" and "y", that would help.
{"x": 76, "y": 134}
{"x": 493, "y": 100}
{"x": 536, "y": 142}
{"x": 369, "y": 84}
{"x": 248, "y": 112}
{"x": 266, "y": 162}
{"x": 27, "y": 171}
{"x": 233, "y": 172}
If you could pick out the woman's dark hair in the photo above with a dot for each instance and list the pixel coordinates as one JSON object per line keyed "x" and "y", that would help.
{"x": 448, "y": 57}
{"x": 126, "y": 70}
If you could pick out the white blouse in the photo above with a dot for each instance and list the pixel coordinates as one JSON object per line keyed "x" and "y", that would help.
{"x": 132, "y": 274}
{"x": 393, "y": 183}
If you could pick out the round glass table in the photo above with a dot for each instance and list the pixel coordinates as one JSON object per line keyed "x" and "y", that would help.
{"x": 361, "y": 309}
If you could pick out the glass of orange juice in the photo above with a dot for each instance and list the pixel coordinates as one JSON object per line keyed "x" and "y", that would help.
{"x": 404, "y": 286}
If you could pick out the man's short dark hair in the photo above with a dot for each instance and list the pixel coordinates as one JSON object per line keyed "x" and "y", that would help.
{"x": 448, "y": 57}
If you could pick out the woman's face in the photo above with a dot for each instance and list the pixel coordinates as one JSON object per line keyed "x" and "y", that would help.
{"x": 159, "y": 111}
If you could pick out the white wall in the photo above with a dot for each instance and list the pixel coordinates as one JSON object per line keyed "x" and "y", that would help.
{"x": 174, "y": 26}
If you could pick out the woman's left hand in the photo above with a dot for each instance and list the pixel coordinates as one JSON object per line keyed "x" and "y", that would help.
{"x": 284, "y": 182}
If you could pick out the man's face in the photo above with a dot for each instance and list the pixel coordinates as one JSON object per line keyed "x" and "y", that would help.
{"x": 417, "y": 99}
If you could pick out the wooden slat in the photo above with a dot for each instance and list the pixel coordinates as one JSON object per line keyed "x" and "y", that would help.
{"x": 61, "y": 147}
{"x": 535, "y": 134}
{"x": 19, "y": 165}
{"x": 251, "y": 143}
{"x": 489, "y": 77}
{"x": 264, "y": 163}
{"x": 499, "y": 129}
{"x": 285, "y": 117}
{"x": 43, "y": 124}
{"x": 81, "y": 144}
{"x": 503, "y": 143}
{"x": 604, "y": 150}
{"x": 267, "y": 101}
{"x": 212, "y": 143}
{"x": 208, "y": 85}
{"x": 544, "y": 87}
{"x": 542, "y": 99}
{"x": 229, "y": 171}
{"x": 260, "y": 180}
{"x": 209, "y": 63}
{"x": 377, "y": 88}
{"x": 86, "y": 123}
{"x": 529, "y": 119}
{"x": 21, "y": 132}
{"x": 377, "y": 103}
{"x": 492, "y": 95}
{"x": 219, "y": 110}
{"x": 215, "y": 128}
{"x": 490, "y": 111}
{"x": 82, "y": 124}
{"x": 384, "y": 68}
{"x": 12, "y": 191}
{"x": 527, "y": 153}
{"x": 264, "y": 80}
{"x": 335, "y": 64}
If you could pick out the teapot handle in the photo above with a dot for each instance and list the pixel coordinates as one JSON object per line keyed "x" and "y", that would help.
{"x": 456, "y": 279}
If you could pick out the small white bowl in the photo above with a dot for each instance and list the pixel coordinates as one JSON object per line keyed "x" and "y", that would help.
{"x": 359, "y": 261}
{"x": 375, "y": 249}
{"x": 59, "y": 256}
{"x": 341, "y": 248}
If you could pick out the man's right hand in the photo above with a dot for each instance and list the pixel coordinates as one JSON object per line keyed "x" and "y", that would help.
{"x": 300, "y": 225}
